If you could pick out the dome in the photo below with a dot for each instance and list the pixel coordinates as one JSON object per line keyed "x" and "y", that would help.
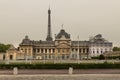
{"x": 26, "y": 41}
{"x": 98, "y": 36}
{"x": 63, "y": 33}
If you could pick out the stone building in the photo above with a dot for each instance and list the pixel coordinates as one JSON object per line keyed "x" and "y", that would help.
{"x": 63, "y": 47}
{"x": 98, "y": 45}
{"x": 2, "y": 56}
{"x": 13, "y": 54}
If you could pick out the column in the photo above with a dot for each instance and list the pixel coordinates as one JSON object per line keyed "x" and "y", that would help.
{"x": 35, "y": 50}
{"x": 81, "y": 50}
{"x": 40, "y": 51}
{"x": 51, "y": 51}
{"x": 48, "y": 51}
{"x": 43, "y": 50}
{"x": 85, "y": 50}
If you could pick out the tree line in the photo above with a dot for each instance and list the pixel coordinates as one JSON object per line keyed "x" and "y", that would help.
{"x": 116, "y": 48}
{"x": 4, "y": 47}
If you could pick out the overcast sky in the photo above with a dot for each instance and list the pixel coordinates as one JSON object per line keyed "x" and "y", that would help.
{"x": 80, "y": 17}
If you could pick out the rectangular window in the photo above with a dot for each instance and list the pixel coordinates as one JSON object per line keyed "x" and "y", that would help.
{"x": 45, "y": 50}
{"x": 79, "y": 50}
{"x": 67, "y": 50}
{"x": 53, "y": 50}
{"x": 38, "y": 50}
{"x": 72, "y": 49}
{"x": 58, "y": 50}
{"x": 83, "y": 50}
{"x": 41, "y": 50}
{"x": 49, "y": 50}
{"x": 97, "y": 51}
{"x": 76, "y": 49}
{"x": 63, "y": 50}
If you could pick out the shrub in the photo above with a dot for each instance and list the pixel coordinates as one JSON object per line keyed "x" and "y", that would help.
{"x": 63, "y": 66}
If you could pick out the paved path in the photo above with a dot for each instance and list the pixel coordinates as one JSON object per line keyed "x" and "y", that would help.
{"x": 62, "y": 77}
{"x": 53, "y": 71}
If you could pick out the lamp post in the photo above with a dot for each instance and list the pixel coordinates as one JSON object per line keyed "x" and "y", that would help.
{"x": 44, "y": 58}
{"x": 78, "y": 55}
{"x": 26, "y": 59}
{"x": 30, "y": 59}
{"x": 7, "y": 61}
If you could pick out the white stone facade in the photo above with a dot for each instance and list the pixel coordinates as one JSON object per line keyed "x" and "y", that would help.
{"x": 99, "y": 45}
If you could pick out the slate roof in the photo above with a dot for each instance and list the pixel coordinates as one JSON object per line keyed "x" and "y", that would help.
{"x": 95, "y": 40}
{"x": 61, "y": 33}
{"x": 43, "y": 43}
{"x": 27, "y": 42}
{"x": 81, "y": 43}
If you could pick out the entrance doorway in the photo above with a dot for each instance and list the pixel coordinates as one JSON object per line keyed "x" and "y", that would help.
{"x": 11, "y": 57}
{"x": 3, "y": 57}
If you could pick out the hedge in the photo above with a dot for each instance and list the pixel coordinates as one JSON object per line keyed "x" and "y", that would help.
{"x": 62, "y": 66}
{"x": 109, "y": 57}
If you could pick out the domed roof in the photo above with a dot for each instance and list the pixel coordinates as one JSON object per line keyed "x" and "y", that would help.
{"x": 98, "y": 36}
{"x": 26, "y": 41}
{"x": 63, "y": 33}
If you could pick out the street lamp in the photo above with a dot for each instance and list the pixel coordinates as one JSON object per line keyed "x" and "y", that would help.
{"x": 44, "y": 58}
{"x": 26, "y": 59}
{"x": 78, "y": 54}
{"x": 7, "y": 61}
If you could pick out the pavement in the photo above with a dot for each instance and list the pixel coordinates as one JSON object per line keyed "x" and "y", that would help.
{"x": 62, "y": 77}
{"x": 43, "y": 74}
{"x": 60, "y": 71}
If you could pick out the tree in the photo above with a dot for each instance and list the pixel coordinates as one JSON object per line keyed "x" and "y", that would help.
{"x": 101, "y": 57}
{"x": 4, "y": 47}
{"x": 116, "y": 48}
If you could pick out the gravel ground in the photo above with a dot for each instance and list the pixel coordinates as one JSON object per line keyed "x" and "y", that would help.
{"x": 62, "y": 77}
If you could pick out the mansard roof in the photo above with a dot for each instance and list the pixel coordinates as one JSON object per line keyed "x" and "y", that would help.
{"x": 95, "y": 40}
{"x": 26, "y": 41}
{"x": 98, "y": 39}
{"x": 43, "y": 43}
{"x": 63, "y": 33}
{"x": 81, "y": 43}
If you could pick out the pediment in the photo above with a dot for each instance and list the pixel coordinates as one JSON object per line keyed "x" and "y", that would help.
{"x": 63, "y": 45}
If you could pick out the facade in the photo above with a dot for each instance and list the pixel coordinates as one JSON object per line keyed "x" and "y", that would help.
{"x": 61, "y": 48}
{"x": 98, "y": 45}
{"x": 13, "y": 54}
{"x": 2, "y": 56}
